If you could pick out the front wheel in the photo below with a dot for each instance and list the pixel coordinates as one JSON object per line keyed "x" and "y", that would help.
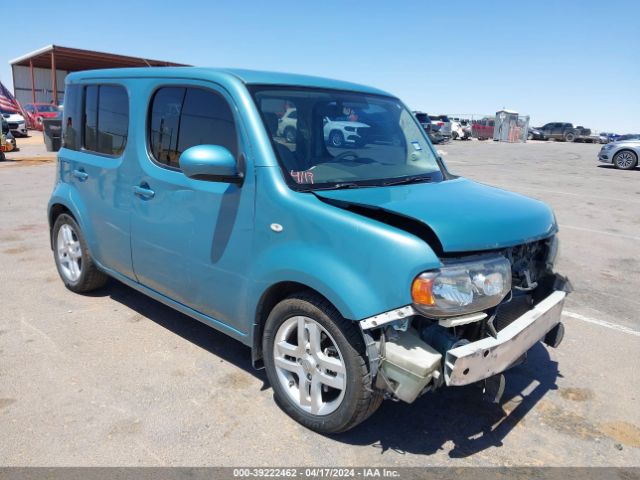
{"x": 290, "y": 135}
{"x": 336, "y": 139}
{"x": 316, "y": 363}
{"x": 625, "y": 160}
{"x": 74, "y": 263}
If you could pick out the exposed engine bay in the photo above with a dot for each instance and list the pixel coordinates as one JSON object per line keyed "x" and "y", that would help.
{"x": 411, "y": 352}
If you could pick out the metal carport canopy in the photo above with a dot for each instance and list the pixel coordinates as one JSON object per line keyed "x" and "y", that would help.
{"x": 55, "y": 57}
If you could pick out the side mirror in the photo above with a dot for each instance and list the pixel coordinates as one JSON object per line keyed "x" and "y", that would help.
{"x": 210, "y": 162}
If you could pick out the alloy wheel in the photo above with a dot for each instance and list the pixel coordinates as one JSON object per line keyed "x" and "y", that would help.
{"x": 309, "y": 365}
{"x": 69, "y": 253}
{"x": 625, "y": 159}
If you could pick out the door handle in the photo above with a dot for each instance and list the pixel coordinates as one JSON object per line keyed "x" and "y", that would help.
{"x": 143, "y": 191}
{"x": 80, "y": 175}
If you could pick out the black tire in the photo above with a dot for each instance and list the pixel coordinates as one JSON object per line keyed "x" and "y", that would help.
{"x": 290, "y": 135}
{"x": 570, "y": 137}
{"x": 2, "y": 157}
{"x": 360, "y": 401}
{"x": 336, "y": 139}
{"x": 625, "y": 160}
{"x": 454, "y": 135}
{"x": 530, "y": 136}
{"x": 90, "y": 277}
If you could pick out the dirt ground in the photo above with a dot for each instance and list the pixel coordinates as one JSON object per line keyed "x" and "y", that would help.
{"x": 115, "y": 378}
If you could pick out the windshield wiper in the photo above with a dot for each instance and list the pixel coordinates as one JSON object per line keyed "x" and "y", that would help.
{"x": 339, "y": 186}
{"x": 404, "y": 180}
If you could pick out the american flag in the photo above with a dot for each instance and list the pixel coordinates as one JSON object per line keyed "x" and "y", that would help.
{"x": 8, "y": 101}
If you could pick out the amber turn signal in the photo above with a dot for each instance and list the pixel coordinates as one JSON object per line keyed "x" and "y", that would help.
{"x": 422, "y": 290}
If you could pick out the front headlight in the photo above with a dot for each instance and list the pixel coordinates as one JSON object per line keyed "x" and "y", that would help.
{"x": 461, "y": 288}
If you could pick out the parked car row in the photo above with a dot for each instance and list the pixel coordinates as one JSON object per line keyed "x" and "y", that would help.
{"x": 35, "y": 114}
{"x": 441, "y": 128}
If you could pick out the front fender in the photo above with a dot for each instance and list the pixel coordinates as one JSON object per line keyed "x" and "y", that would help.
{"x": 362, "y": 266}
{"x": 322, "y": 271}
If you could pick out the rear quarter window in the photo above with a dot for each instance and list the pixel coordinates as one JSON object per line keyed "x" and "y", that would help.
{"x": 106, "y": 119}
{"x": 71, "y": 117}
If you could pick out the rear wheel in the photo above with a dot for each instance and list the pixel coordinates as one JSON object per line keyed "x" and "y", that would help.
{"x": 454, "y": 135}
{"x": 570, "y": 136}
{"x": 74, "y": 263}
{"x": 625, "y": 160}
{"x": 316, "y": 363}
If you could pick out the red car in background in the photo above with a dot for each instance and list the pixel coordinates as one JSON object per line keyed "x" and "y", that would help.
{"x": 37, "y": 111}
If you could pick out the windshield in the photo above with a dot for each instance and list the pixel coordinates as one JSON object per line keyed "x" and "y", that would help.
{"x": 336, "y": 139}
{"x": 47, "y": 108}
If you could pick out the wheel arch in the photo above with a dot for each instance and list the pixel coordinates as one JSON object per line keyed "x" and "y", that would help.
{"x": 627, "y": 149}
{"x": 67, "y": 200}
{"x": 268, "y": 300}
{"x": 55, "y": 210}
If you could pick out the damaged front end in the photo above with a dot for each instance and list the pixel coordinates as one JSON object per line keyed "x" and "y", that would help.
{"x": 470, "y": 320}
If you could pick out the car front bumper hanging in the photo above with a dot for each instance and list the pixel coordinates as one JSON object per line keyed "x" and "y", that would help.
{"x": 487, "y": 357}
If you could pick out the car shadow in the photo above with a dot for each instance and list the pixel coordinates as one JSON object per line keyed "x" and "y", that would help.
{"x": 458, "y": 415}
{"x": 194, "y": 331}
{"x": 612, "y": 167}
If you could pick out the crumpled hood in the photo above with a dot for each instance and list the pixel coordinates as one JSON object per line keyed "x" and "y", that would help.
{"x": 464, "y": 215}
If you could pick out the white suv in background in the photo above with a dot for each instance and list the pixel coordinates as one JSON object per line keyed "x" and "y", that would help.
{"x": 17, "y": 124}
{"x": 443, "y": 122}
{"x": 337, "y": 133}
{"x": 287, "y": 125}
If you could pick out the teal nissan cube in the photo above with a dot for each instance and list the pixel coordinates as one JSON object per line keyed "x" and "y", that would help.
{"x": 310, "y": 219}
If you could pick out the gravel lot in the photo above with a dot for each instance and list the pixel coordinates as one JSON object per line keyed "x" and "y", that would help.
{"x": 115, "y": 378}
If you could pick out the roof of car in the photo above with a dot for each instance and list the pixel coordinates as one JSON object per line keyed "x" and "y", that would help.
{"x": 248, "y": 77}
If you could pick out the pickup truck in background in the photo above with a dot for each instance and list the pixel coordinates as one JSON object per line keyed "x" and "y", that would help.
{"x": 565, "y": 132}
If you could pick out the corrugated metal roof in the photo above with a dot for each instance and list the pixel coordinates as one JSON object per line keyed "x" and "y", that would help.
{"x": 75, "y": 59}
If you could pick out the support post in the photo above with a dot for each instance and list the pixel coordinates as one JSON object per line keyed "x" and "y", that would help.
{"x": 33, "y": 82}
{"x": 54, "y": 79}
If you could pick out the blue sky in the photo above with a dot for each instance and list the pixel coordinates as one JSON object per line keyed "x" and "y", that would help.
{"x": 575, "y": 61}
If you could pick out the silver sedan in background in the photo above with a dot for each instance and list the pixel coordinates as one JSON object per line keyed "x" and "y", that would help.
{"x": 623, "y": 154}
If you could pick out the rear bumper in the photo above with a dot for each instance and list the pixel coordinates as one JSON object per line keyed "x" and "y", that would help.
{"x": 487, "y": 357}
